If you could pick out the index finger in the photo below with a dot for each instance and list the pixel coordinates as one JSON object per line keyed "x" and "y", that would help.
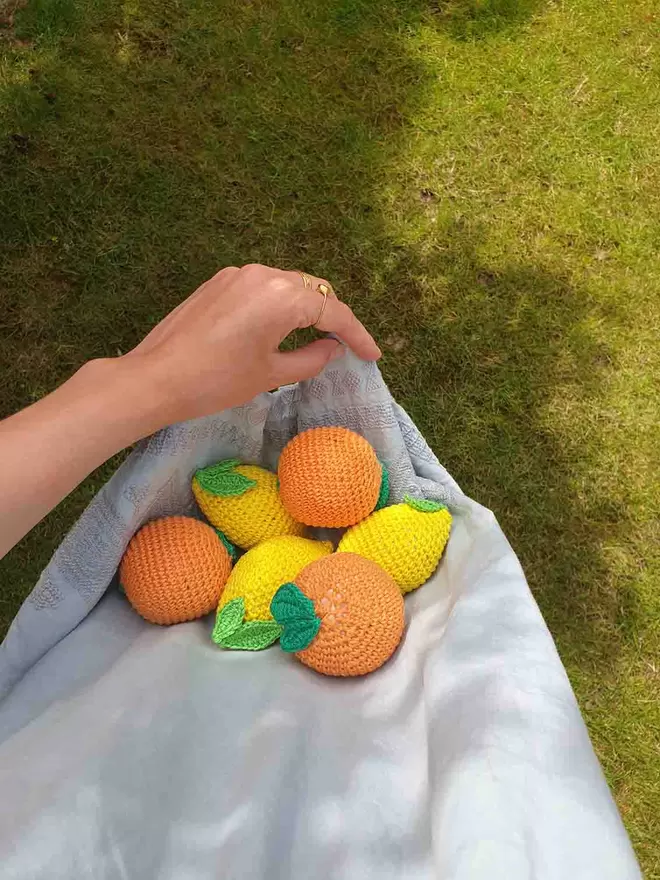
{"x": 329, "y": 314}
{"x": 338, "y": 318}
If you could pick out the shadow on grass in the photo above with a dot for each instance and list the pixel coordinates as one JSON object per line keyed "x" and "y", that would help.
{"x": 478, "y": 19}
{"x": 482, "y": 358}
{"x": 145, "y": 145}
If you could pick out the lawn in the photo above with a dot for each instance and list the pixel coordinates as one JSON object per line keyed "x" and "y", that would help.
{"x": 481, "y": 181}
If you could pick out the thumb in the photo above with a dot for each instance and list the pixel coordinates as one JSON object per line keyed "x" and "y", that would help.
{"x": 306, "y": 362}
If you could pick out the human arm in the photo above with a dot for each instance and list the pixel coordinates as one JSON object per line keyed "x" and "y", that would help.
{"x": 217, "y": 349}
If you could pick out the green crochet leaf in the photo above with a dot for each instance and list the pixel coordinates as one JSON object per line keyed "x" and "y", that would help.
{"x": 228, "y": 620}
{"x": 295, "y": 613}
{"x": 423, "y": 505}
{"x": 253, "y": 635}
{"x": 298, "y": 636}
{"x": 229, "y": 547}
{"x": 384, "y": 494}
{"x": 221, "y": 479}
{"x": 289, "y": 604}
{"x": 232, "y": 631}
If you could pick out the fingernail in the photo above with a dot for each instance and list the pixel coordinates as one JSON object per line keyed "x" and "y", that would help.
{"x": 337, "y": 353}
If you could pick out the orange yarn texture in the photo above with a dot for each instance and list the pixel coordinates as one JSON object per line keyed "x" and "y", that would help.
{"x": 361, "y": 610}
{"x": 329, "y": 477}
{"x": 174, "y": 570}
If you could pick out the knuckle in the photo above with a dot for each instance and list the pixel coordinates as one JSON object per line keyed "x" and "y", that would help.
{"x": 224, "y": 273}
{"x": 300, "y": 301}
{"x": 291, "y": 305}
{"x": 250, "y": 269}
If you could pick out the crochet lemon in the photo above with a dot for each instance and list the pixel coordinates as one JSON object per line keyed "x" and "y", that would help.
{"x": 244, "y": 620}
{"x": 406, "y": 540}
{"x": 242, "y": 501}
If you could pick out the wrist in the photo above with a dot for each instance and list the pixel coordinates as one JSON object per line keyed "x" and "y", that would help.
{"x": 121, "y": 397}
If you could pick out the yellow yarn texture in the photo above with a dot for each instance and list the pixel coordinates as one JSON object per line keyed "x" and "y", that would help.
{"x": 406, "y": 540}
{"x": 258, "y": 575}
{"x": 249, "y": 516}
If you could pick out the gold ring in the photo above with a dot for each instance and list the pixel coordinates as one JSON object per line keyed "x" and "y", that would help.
{"x": 307, "y": 281}
{"x": 324, "y": 290}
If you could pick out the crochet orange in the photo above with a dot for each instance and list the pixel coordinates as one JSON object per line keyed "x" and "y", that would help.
{"x": 329, "y": 477}
{"x": 174, "y": 569}
{"x": 343, "y": 616}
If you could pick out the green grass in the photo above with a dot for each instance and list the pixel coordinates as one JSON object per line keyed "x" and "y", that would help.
{"x": 479, "y": 178}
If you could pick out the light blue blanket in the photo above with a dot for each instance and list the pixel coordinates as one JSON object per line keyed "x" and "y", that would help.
{"x": 134, "y": 751}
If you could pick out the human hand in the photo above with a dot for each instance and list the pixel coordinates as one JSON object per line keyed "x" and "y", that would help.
{"x": 217, "y": 349}
{"x": 220, "y": 347}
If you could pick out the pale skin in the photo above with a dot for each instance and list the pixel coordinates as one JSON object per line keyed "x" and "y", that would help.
{"x": 216, "y": 350}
